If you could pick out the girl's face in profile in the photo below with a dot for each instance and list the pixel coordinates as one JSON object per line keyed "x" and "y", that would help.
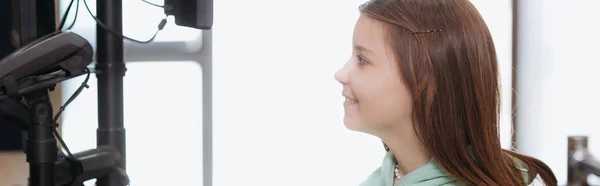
{"x": 376, "y": 97}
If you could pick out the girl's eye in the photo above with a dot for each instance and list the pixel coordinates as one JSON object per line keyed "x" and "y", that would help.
{"x": 361, "y": 61}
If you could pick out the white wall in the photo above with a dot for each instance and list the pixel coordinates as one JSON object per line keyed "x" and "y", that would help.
{"x": 277, "y": 107}
{"x": 559, "y": 92}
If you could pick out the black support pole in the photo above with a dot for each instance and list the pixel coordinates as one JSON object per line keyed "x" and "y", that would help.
{"x": 41, "y": 145}
{"x": 110, "y": 68}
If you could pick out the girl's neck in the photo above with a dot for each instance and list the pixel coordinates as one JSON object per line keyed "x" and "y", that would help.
{"x": 408, "y": 151}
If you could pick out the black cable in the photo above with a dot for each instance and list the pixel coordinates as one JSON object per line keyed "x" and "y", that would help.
{"x": 161, "y": 25}
{"x": 62, "y": 108}
{"x": 77, "y": 92}
{"x": 70, "y": 156}
{"x": 64, "y": 18}
{"x": 150, "y": 3}
{"x": 75, "y": 17}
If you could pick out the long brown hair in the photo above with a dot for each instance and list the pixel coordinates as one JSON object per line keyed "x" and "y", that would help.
{"x": 453, "y": 75}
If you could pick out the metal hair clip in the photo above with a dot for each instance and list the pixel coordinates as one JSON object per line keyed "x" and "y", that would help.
{"x": 426, "y": 31}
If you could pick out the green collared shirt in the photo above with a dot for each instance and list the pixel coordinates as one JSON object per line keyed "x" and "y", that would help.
{"x": 430, "y": 174}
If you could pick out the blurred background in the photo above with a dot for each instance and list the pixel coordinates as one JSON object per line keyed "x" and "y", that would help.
{"x": 277, "y": 111}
